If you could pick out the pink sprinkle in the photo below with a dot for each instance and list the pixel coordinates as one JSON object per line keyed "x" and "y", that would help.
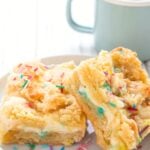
{"x": 82, "y": 147}
{"x": 35, "y": 69}
{"x": 49, "y": 80}
{"x": 106, "y": 73}
{"x": 21, "y": 70}
{"x": 50, "y": 147}
{"x": 120, "y": 87}
{"x": 30, "y": 104}
{"x": 46, "y": 67}
{"x": 85, "y": 144}
{"x": 29, "y": 77}
{"x": 28, "y": 66}
{"x": 14, "y": 78}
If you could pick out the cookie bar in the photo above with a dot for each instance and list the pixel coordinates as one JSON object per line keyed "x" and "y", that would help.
{"x": 113, "y": 91}
{"x": 37, "y": 108}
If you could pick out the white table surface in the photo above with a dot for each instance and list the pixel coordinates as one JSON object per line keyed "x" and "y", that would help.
{"x": 32, "y": 29}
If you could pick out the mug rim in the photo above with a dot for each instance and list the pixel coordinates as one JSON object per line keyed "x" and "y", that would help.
{"x": 130, "y": 3}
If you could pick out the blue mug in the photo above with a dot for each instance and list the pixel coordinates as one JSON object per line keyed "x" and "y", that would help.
{"x": 119, "y": 23}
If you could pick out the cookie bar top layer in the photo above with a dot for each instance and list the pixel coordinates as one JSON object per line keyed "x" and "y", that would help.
{"x": 36, "y": 101}
{"x": 111, "y": 89}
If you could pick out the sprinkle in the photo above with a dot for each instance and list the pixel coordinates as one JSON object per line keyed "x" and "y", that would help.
{"x": 83, "y": 93}
{"x": 60, "y": 86}
{"x": 50, "y": 147}
{"x": 21, "y": 76}
{"x": 62, "y": 148}
{"x": 85, "y": 144}
{"x": 139, "y": 140}
{"x": 28, "y": 66}
{"x": 134, "y": 106}
{"x": 35, "y": 69}
{"x": 30, "y": 104}
{"x": 82, "y": 147}
{"x": 31, "y": 146}
{"x": 20, "y": 70}
{"x": 107, "y": 86}
{"x": 90, "y": 128}
{"x": 43, "y": 134}
{"x": 45, "y": 146}
{"x": 112, "y": 104}
{"x": 50, "y": 80}
{"x": 106, "y": 73}
{"x": 117, "y": 70}
{"x": 29, "y": 77}
{"x": 14, "y": 147}
{"x": 14, "y": 78}
{"x": 120, "y": 88}
{"x": 100, "y": 111}
{"x": 25, "y": 84}
{"x": 132, "y": 109}
{"x": 46, "y": 67}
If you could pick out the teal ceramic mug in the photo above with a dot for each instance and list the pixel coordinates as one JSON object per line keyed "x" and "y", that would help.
{"x": 119, "y": 23}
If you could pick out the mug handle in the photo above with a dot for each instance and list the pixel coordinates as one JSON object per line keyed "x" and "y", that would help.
{"x": 73, "y": 24}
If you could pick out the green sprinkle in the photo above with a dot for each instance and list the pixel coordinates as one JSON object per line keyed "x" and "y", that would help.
{"x": 31, "y": 146}
{"x": 44, "y": 146}
{"x": 83, "y": 93}
{"x": 139, "y": 140}
{"x": 15, "y": 147}
{"x": 107, "y": 86}
{"x": 25, "y": 84}
{"x": 100, "y": 111}
{"x": 62, "y": 148}
{"x": 43, "y": 134}
{"x": 134, "y": 106}
{"x": 112, "y": 104}
{"x": 117, "y": 70}
{"x": 60, "y": 86}
{"x": 21, "y": 76}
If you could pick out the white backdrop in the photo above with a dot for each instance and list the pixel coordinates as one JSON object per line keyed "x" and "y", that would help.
{"x": 38, "y": 28}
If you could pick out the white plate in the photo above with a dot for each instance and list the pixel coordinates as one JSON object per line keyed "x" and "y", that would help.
{"x": 88, "y": 143}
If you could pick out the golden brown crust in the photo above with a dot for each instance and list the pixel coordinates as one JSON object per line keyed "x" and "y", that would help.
{"x": 36, "y": 101}
{"x": 129, "y": 63}
{"x": 111, "y": 89}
